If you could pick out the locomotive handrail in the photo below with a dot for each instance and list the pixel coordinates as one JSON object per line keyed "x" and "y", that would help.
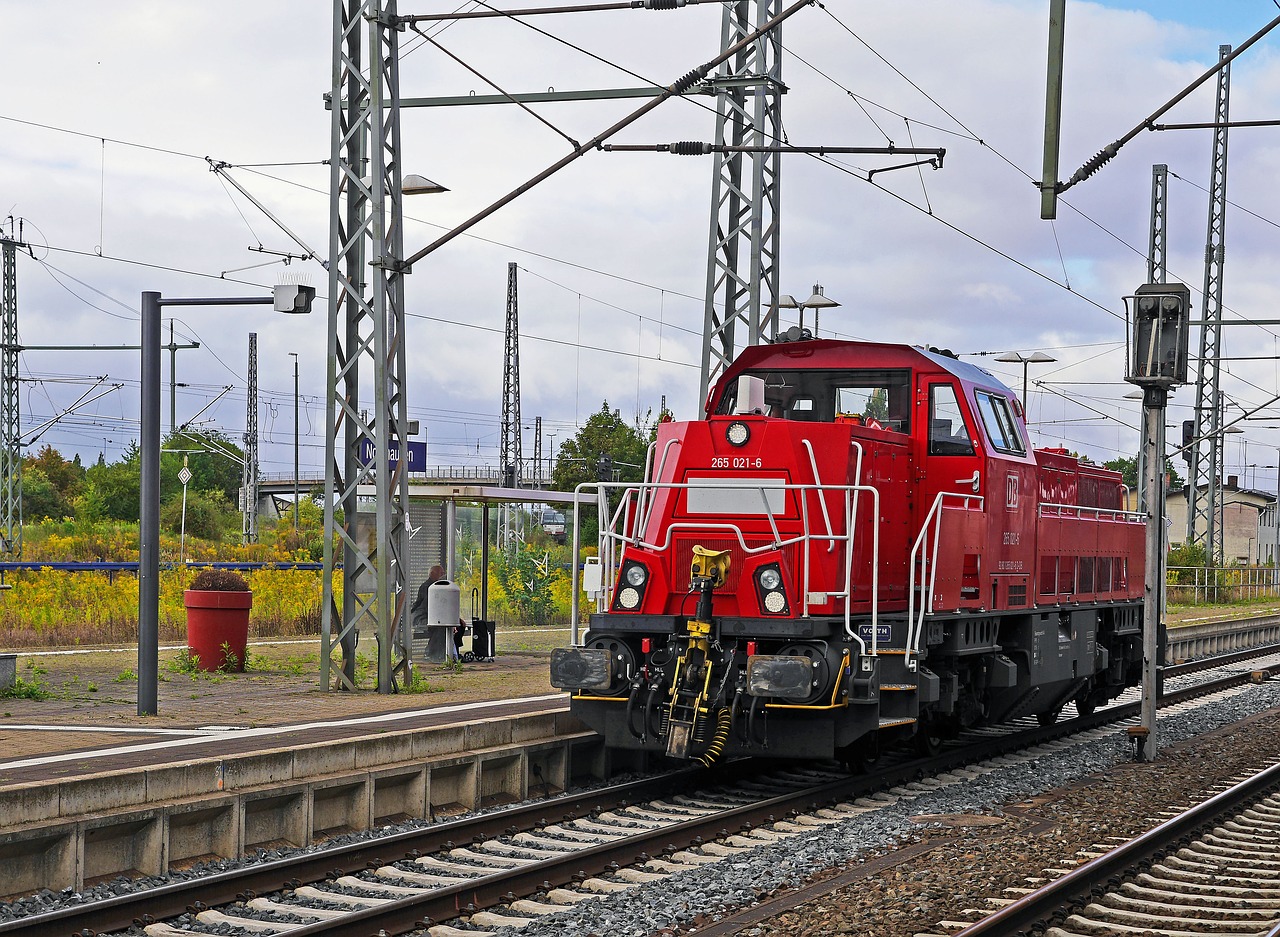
{"x": 915, "y": 623}
{"x": 817, "y": 478}
{"x": 610, "y": 537}
{"x": 1052, "y": 509}
{"x": 642, "y": 516}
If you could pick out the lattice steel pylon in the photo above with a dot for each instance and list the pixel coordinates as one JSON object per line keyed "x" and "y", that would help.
{"x": 366, "y": 340}
{"x": 510, "y": 456}
{"x": 1205, "y": 469}
{"x": 742, "y": 262}
{"x": 249, "y": 476}
{"x": 10, "y": 420}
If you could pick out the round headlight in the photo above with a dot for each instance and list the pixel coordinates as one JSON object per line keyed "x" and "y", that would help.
{"x": 629, "y": 598}
{"x": 770, "y": 579}
{"x": 737, "y": 434}
{"x": 774, "y": 602}
{"x": 636, "y": 575}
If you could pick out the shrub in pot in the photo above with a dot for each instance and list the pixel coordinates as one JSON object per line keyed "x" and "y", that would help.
{"x": 218, "y": 604}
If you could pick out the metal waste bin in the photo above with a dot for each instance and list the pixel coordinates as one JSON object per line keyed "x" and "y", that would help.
{"x": 433, "y": 633}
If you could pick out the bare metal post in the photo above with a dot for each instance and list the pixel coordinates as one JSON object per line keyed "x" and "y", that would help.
{"x": 484, "y": 565}
{"x": 149, "y": 512}
{"x": 1053, "y": 110}
{"x": 295, "y": 441}
{"x": 451, "y": 540}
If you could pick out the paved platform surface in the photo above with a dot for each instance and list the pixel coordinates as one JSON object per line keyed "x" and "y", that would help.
{"x": 89, "y": 723}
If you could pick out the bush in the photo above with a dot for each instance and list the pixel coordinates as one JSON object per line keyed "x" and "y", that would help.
{"x": 208, "y": 515}
{"x": 219, "y": 580}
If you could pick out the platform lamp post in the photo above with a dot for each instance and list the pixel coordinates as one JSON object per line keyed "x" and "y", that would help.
{"x": 1015, "y": 357}
{"x": 294, "y": 355}
{"x": 815, "y": 302}
{"x": 1158, "y": 362}
{"x": 290, "y": 298}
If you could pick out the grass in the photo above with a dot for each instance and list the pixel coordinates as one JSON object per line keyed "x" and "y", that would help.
{"x": 27, "y": 689}
{"x": 1177, "y": 613}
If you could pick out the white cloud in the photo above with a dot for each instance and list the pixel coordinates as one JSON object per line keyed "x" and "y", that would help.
{"x": 616, "y": 243}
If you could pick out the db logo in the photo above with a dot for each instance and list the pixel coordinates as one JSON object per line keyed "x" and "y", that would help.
{"x": 1011, "y": 492}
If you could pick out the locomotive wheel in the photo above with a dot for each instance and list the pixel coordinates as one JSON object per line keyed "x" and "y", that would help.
{"x": 928, "y": 741}
{"x": 1085, "y": 705}
{"x": 860, "y": 757}
{"x": 1049, "y": 718}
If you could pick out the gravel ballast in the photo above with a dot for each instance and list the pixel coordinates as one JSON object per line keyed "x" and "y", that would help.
{"x": 1098, "y": 792}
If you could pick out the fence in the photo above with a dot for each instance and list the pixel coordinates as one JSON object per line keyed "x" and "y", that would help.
{"x": 1195, "y": 585}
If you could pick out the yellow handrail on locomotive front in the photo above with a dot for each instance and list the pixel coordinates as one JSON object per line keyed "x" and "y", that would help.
{"x": 808, "y": 707}
{"x": 601, "y": 699}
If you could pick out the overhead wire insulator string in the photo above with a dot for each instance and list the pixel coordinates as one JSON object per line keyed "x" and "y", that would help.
{"x": 695, "y": 148}
{"x": 1107, "y": 152}
{"x": 658, "y": 5}
{"x": 676, "y": 88}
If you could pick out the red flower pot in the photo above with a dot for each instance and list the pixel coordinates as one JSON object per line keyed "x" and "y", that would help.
{"x": 218, "y": 628}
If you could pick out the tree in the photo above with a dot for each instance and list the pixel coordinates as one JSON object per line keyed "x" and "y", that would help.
{"x": 207, "y": 514}
{"x": 606, "y": 444}
{"x": 1129, "y": 469}
{"x": 66, "y": 477}
{"x": 216, "y": 464}
{"x": 41, "y": 498}
{"x": 111, "y": 489}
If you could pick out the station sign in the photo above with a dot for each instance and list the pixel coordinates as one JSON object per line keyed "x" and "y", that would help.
{"x": 417, "y": 454}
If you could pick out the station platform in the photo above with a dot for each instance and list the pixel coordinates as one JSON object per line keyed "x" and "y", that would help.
{"x": 87, "y": 722}
{"x": 234, "y": 764}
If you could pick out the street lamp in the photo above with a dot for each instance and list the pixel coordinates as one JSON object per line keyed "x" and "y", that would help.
{"x": 815, "y": 302}
{"x": 290, "y": 298}
{"x": 414, "y": 184}
{"x": 1036, "y": 357}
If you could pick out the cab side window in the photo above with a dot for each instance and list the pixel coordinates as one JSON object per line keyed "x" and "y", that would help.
{"x": 947, "y": 432}
{"x": 998, "y": 421}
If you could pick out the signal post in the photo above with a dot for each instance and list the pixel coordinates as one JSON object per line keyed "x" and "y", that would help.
{"x": 1157, "y": 364}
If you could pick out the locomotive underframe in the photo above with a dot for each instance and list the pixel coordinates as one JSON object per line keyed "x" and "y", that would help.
{"x": 972, "y": 670}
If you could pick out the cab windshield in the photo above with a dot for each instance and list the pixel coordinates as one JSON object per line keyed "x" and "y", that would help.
{"x": 880, "y": 398}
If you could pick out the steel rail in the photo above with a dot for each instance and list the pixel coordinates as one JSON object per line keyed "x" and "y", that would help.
{"x": 171, "y": 900}
{"x": 1078, "y": 884}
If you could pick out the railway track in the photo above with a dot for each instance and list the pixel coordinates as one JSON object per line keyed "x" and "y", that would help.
{"x": 1213, "y": 869}
{"x": 597, "y": 842}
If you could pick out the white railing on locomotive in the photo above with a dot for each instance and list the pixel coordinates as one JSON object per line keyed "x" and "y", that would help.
{"x": 644, "y": 509}
{"x": 612, "y": 539}
{"x": 1082, "y": 511}
{"x": 851, "y": 511}
{"x": 924, "y": 544}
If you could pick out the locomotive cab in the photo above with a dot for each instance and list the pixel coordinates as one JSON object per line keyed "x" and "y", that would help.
{"x": 857, "y": 544}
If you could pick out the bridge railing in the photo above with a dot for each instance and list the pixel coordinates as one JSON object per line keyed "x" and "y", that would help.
{"x": 486, "y": 474}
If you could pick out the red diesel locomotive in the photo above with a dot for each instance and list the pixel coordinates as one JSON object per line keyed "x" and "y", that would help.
{"x": 856, "y": 546}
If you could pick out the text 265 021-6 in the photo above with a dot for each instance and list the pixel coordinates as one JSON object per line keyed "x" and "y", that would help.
{"x": 735, "y": 462}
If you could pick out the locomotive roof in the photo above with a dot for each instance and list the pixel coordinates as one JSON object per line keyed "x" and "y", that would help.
{"x": 832, "y": 354}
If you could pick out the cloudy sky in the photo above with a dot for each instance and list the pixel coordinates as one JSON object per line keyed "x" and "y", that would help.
{"x": 107, "y": 120}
